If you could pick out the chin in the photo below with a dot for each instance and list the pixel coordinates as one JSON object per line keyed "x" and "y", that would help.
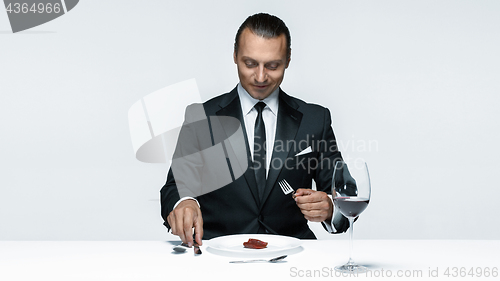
{"x": 259, "y": 96}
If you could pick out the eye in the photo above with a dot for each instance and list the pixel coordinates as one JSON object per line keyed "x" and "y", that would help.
{"x": 272, "y": 66}
{"x": 250, "y": 64}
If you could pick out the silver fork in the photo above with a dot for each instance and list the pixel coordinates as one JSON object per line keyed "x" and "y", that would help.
{"x": 278, "y": 259}
{"x": 285, "y": 187}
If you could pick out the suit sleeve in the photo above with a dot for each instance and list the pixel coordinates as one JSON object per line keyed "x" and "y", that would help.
{"x": 168, "y": 197}
{"x": 328, "y": 156}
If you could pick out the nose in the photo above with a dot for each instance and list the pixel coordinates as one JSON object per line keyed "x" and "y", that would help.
{"x": 260, "y": 74}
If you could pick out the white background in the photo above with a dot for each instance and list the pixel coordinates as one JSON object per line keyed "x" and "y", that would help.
{"x": 412, "y": 87}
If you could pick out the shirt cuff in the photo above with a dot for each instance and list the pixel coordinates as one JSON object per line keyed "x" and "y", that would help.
{"x": 185, "y": 198}
{"x": 329, "y": 226}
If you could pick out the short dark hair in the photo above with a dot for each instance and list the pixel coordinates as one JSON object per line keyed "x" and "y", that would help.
{"x": 267, "y": 26}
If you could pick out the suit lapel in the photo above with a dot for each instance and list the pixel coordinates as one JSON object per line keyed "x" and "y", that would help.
{"x": 230, "y": 106}
{"x": 286, "y": 129}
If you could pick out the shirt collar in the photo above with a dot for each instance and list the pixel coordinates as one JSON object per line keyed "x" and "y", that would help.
{"x": 248, "y": 102}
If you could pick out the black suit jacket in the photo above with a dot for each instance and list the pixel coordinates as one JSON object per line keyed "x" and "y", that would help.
{"x": 236, "y": 207}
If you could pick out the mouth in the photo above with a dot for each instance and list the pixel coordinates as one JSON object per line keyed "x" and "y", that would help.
{"x": 261, "y": 87}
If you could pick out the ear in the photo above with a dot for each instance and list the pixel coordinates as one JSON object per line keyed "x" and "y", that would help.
{"x": 288, "y": 59}
{"x": 234, "y": 57}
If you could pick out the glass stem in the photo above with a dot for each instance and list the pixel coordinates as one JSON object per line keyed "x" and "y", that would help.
{"x": 351, "y": 226}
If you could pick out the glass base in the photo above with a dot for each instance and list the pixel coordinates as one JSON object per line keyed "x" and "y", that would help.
{"x": 351, "y": 268}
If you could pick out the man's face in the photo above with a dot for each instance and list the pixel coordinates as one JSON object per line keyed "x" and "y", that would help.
{"x": 261, "y": 63}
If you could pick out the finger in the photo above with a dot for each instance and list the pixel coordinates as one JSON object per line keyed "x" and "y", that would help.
{"x": 303, "y": 192}
{"x": 314, "y": 219}
{"x": 181, "y": 220}
{"x": 178, "y": 226}
{"x": 313, "y": 213}
{"x": 312, "y": 198}
{"x": 198, "y": 230}
{"x": 171, "y": 222}
{"x": 315, "y": 216}
{"x": 320, "y": 205}
{"x": 310, "y": 207}
{"x": 304, "y": 206}
{"x": 187, "y": 227}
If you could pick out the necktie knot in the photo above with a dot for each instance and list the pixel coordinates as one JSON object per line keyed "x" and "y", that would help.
{"x": 260, "y": 106}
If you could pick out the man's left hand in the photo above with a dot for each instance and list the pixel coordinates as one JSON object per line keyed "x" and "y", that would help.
{"x": 315, "y": 205}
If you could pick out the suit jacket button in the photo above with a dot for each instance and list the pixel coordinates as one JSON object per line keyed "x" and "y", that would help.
{"x": 261, "y": 217}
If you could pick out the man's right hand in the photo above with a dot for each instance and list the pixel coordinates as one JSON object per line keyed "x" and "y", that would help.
{"x": 183, "y": 218}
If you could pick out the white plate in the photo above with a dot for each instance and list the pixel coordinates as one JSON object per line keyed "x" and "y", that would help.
{"x": 232, "y": 245}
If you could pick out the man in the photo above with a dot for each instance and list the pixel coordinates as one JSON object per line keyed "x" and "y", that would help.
{"x": 284, "y": 137}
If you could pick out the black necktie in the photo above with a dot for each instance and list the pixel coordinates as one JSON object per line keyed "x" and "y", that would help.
{"x": 259, "y": 149}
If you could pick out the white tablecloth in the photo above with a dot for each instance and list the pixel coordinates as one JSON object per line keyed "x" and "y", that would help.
{"x": 155, "y": 260}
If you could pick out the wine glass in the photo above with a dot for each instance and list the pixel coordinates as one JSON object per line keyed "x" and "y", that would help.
{"x": 351, "y": 190}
